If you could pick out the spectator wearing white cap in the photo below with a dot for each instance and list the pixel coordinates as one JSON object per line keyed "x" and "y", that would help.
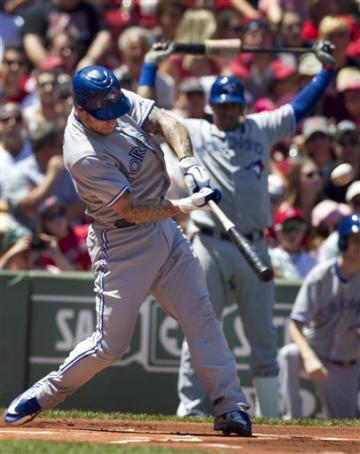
{"x": 191, "y": 99}
{"x": 325, "y": 219}
{"x": 348, "y": 85}
{"x": 308, "y": 67}
{"x": 317, "y": 141}
{"x": 329, "y": 248}
{"x": 348, "y": 140}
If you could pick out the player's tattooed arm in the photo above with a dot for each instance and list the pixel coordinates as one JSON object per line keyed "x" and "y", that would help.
{"x": 140, "y": 211}
{"x": 175, "y": 134}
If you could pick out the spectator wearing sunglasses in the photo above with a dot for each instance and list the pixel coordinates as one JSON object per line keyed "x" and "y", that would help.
{"x": 71, "y": 240}
{"x": 63, "y": 46}
{"x": 13, "y": 144}
{"x": 84, "y": 20}
{"x": 347, "y": 149}
{"x": 289, "y": 259}
{"x": 37, "y": 177}
{"x": 317, "y": 142}
{"x": 304, "y": 187}
{"x": 14, "y": 76}
{"x": 290, "y": 36}
{"x": 46, "y": 104}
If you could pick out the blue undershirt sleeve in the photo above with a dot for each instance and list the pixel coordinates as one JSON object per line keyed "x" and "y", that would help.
{"x": 308, "y": 97}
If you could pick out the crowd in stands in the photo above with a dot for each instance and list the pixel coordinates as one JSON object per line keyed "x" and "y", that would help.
{"x": 43, "y": 224}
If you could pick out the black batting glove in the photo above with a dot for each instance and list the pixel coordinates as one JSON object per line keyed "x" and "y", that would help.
{"x": 323, "y": 51}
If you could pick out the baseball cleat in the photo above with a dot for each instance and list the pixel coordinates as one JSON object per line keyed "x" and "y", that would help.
{"x": 22, "y": 409}
{"x": 237, "y": 422}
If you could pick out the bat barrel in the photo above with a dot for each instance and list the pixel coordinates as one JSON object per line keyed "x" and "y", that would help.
{"x": 272, "y": 50}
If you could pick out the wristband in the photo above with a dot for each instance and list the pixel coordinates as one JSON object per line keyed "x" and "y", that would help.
{"x": 148, "y": 74}
{"x": 187, "y": 162}
{"x": 185, "y": 205}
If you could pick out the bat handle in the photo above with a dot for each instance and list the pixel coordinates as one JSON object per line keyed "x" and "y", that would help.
{"x": 266, "y": 274}
{"x": 225, "y": 221}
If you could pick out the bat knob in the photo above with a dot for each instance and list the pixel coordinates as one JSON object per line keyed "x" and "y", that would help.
{"x": 266, "y": 275}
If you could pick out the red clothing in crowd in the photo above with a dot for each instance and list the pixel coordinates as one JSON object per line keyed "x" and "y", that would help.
{"x": 22, "y": 93}
{"x": 74, "y": 248}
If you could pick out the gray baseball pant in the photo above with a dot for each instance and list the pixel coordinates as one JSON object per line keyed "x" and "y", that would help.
{"x": 338, "y": 392}
{"x": 129, "y": 263}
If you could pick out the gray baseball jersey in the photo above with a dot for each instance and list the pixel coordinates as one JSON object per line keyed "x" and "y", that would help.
{"x": 330, "y": 308}
{"x": 130, "y": 262}
{"x": 237, "y": 162}
{"x": 127, "y": 160}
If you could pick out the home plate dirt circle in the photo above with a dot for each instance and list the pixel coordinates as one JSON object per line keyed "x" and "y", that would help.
{"x": 186, "y": 435}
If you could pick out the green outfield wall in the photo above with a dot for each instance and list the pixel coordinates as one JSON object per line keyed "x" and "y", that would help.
{"x": 43, "y": 316}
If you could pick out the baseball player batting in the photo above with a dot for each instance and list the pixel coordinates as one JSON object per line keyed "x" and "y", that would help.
{"x": 325, "y": 329}
{"x": 119, "y": 172}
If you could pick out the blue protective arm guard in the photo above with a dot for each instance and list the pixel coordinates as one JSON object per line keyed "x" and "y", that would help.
{"x": 308, "y": 97}
{"x": 148, "y": 74}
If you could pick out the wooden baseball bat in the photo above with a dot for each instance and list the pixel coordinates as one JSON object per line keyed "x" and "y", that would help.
{"x": 263, "y": 272}
{"x": 225, "y": 46}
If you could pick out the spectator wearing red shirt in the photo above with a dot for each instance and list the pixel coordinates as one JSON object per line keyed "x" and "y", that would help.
{"x": 14, "y": 75}
{"x": 71, "y": 239}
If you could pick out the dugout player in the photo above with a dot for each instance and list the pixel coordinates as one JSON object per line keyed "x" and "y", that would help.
{"x": 325, "y": 329}
{"x": 119, "y": 172}
{"x": 236, "y": 154}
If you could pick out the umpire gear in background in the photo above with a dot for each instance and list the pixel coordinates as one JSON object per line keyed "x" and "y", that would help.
{"x": 98, "y": 92}
{"x": 227, "y": 89}
{"x": 350, "y": 224}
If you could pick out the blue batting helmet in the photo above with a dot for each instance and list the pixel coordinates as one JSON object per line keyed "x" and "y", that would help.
{"x": 227, "y": 89}
{"x": 349, "y": 224}
{"x": 98, "y": 92}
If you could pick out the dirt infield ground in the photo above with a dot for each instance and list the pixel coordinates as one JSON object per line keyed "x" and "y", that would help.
{"x": 195, "y": 436}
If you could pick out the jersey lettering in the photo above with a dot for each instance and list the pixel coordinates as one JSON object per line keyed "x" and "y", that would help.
{"x": 137, "y": 156}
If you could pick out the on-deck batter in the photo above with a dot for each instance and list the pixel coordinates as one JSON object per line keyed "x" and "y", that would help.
{"x": 325, "y": 328}
{"x": 135, "y": 247}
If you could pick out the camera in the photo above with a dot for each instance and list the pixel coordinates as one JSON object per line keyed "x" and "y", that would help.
{"x": 37, "y": 244}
